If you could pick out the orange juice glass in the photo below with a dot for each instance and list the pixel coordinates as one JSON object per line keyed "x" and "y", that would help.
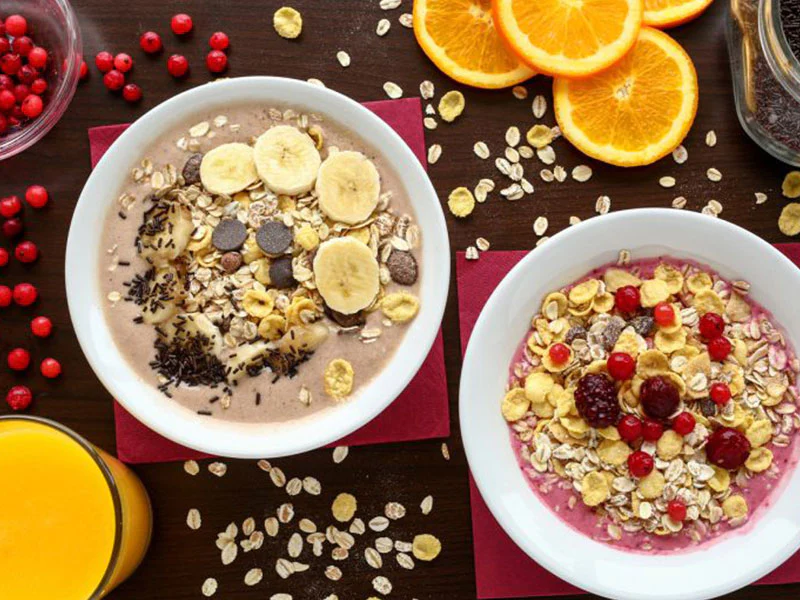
{"x": 74, "y": 521}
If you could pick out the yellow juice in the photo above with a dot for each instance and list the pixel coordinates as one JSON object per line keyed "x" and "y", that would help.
{"x": 74, "y": 521}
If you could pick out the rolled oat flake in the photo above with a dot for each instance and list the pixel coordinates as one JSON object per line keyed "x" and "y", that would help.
{"x": 229, "y": 234}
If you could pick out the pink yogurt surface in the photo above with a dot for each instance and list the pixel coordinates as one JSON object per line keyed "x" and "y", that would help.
{"x": 555, "y": 492}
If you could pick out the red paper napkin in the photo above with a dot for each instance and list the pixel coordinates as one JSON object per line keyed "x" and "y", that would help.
{"x": 496, "y": 555}
{"x": 420, "y": 412}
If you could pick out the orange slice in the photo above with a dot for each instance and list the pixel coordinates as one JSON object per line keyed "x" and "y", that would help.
{"x": 637, "y": 111}
{"x": 670, "y": 13}
{"x": 460, "y": 38}
{"x": 571, "y": 38}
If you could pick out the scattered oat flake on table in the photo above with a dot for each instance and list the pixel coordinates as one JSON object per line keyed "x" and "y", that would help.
{"x": 333, "y": 573}
{"x": 540, "y": 225}
{"x": 382, "y": 585}
{"x": 343, "y": 58}
{"x": 482, "y": 244}
{"x": 539, "y": 106}
{"x": 271, "y": 526}
{"x": 761, "y": 198}
{"x": 315, "y": 81}
{"x": 481, "y": 150}
{"x": 392, "y": 90}
{"x": 378, "y": 524}
{"x": 445, "y": 451}
{"x": 390, "y": 4}
{"x": 218, "y": 468}
{"x": 209, "y": 587}
{"x": 311, "y": 485}
{"x": 191, "y": 467}
{"x": 667, "y": 182}
{"x": 288, "y": 22}
{"x": 560, "y": 173}
{"x": 574, "y": 220}
{"x": 430, "y": 123}
{"x": 791, "y": 185}
{"x": 451, "y": 105}
{"x": 426, "y": 89}
{"x": 294, "y": 486}
{"x": 547, "y": 155}
{"x": 277, "y": 476}
{"x": 513, "y": 136}
{"x": 680, "y": 155}
{"x": 461, "y": 202}
{"x": 373, "y": 558}
{"x": 520, "y": 92}
{"x": 406, "y": 20}
{"x": 253, "y": 576}
{"x": 471, "y": 253}
{"x": 340, "y": 453}
{"x": 285, "y": 513}
{"x": 711, "y": 139}
{"x": 603, "y": 205}
{"x": 264, "y": 465}
{"x": 384, "y": 545}
{"x": 280, "y": 597}
{"x": 582, "y": 173}
{"x": 714, "y": 175}
{"x": 426, "y": 506}
{"x": 404, "y": 560}
{"x": 789, "y": 221}
{"x": 394, "y": 511}
{"x": 383, "y": 27}
{"x": 193, "y": 519}
{"x": 679, "y": 202}
{"x": 229, "y": 553}
{"x": 434, "y": 153}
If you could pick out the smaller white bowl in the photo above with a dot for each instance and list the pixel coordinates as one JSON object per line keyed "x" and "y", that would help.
{"x": 734, "y": 561}
{"x": 217, "y": 436}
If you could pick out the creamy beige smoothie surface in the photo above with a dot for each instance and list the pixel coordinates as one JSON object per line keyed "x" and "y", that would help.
{"x": 260, "y": 265}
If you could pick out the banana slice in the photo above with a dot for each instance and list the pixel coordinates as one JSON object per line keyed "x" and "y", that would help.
{"x": 303, "y": 339}
{"x": 287, "y": 160}
{"x": 348, "y": 187}
{"x": 247, "y": 358}
{"x": 166, "y": 232}
{"x": 228, "y": 168}
{"x": 346, "y": 274}
{"x": 194, "y": 324}
{"x": 165, "y": 294}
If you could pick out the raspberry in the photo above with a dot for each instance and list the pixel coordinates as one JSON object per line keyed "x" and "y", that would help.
{"x": 684, "y": 423}
{"x": 640, "y": 464}
{"x": 41, "y": 327}
{"x": 630, "y": 428}
{"x": 219, "y": 41}
{"x": 596, "y": 400}
{"x": 50, "y": 368}
{"x": 181, "y": 24}
{"x": 719, "y": 348}
{"x": 664, "y": 314}
{"x": 652, "y": 430}
{"x": 621, "y": 366}
{"x": 720, "y": 393}
{"x": 19, "y": 397}
{"x": 727, "y": 448}
{"x": 712, "y": 326}
{"x": 150, "y": 42}
{"x": 627, "y": 299}
{"x": 177, "y": 65}
{"x": 18, "y": 359}
{"x": 559, "y": 353}
{"x": 676, "y": 511}
{"x": 659, "y": 397}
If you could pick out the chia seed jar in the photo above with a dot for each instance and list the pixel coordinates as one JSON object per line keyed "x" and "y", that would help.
{"x": 764, "y": 47}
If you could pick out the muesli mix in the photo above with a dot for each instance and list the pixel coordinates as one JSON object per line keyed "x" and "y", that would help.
{"x": 273, "y": 237}
{"x": 653, "y": 404}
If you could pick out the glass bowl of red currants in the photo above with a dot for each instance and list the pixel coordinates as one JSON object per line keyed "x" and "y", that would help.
{"x": 40, "y": 64}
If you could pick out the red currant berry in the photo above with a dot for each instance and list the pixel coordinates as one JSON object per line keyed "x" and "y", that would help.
{"x": 181, "y": 24}
{"x": 16, "y": 25}
{"x": 21, "y": 91}
{"x": 216, "y": 61}
{"x": 132, "y": 93}
{"x": 640, "y": 464}
{"x": 37, "y": 58}
{"x": 621, "y": 366}
{"x": 41, "y": 327}
{"x": 5, "y": 45}
{"x": 10, "y": 63}
{"x": 7, "y": 100}
{"x": 676, "y": 511}
{"x": 712, "y": 326}
{"x": 150, "y": 42}
{"x": 4, "y": 257}
{"x": 39, "y": 86}
{"x": 22, "y": 45}
{"x": 719, "y": 348}
{"x": 3, "y": 123}
{"x": 37, "y": 196}
{"x": 6, "y": 83}
{"x": 32, "y": 106}
{"x": 104, "y": 61}
{"x": 114, "y": 80}
{"x": 26, "y": 252}
{"x": 6, "y": 296}
{"x": 123, "y": 62}
{"x": 19, "y": 397}
{"x": 84, "y": 72}
{"x": 727, "y": 448}
{"x": 720, "y": 393}
{"x": 219, "y": 41}
{"x": 50, "y": 368}
{"x": 25, "y": 294}
{"x": 652, "y": 430}
{"x": 664, "y": 314}
{"x": 18, "y": 359}
{"x": 627, "y": 299}
{"x": 26, "y": 74}
{"x": 559, "y": 353}
{"x": 12, "y": 228}
{"x": 177, "y": 65}
{"x": 630, "y": 428}
{"x": 684, "y": 423}
{"x": 10, "y": 206}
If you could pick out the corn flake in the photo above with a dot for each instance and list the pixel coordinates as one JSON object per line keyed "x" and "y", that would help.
{"x": 287, "y": 22}
{"x": 338, "y": 378}
{"x": 669, "y": 445}
{"x": 653, "y": 291}
{"x": 760, "y": 460}
{"x": 721, "y": 480}
{"x": 554, "y": 305}
{"x": 539, "y": 136}
{"x": 670, "y": 342}
{"x": 652, "y": 362}
{"x": 735, "y": 507}
{"x": 515, "y": 404}
{"x": 307, "y": 238}
{"x": 631, "y": 343}
{"x": 537, "y": 386}
{"x": 426, "y": 547}
{"x": 789, "y": 221}
{"x": 697, "y": 282}
{"x": 451, "y": 105}
{"x": 585, "y": 292}
{"x": 400, "y": 306}
{"x": 706, "y": 301}
{"x": 759, "y": 432}
{"x": 671, "y": 276}
{"x": 461, "y": 202}
{"x": 594, "y": 489}
{"x": 603, "y": 303}
{"x": 613, "y": 452}
{"x": 257, "y": 303}
{"x": 618, "y": 278}
{"x": 791, "y": 185}
{"x": 344, "y": 507}
{"x": 272, "y": 327}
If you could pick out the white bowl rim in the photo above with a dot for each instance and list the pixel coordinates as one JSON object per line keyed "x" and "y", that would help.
{"x": 247, "y": 440}
{"x": 486, "y": 475}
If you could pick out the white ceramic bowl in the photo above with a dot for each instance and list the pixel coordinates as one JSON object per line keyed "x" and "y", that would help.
{"x": 215, "y": 436}
{"x": 739, "y": 558}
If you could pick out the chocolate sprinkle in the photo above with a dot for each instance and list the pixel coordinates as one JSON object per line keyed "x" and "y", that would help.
{"x": 403, "y": 267}
{"x": 274, "y": 238}
{"x": 229, "y": 234}
{"x": 281, "y": 274}
{"x": 191, "y": 170}
{"x": 186, "y": 358}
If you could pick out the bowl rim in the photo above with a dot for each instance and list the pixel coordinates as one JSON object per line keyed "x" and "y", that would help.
{"x": 497, "y": 500}
{"x": 61, "y": 97}
{"x": 250, "y": 440}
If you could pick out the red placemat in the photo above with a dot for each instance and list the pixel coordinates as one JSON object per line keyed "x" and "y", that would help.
{"x": 420, "y": 412}
{"x": 496, "y": 555}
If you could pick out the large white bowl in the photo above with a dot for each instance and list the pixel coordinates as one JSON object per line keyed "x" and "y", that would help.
{"x": 215, "y": 436}
{"x": 739, "y": 558}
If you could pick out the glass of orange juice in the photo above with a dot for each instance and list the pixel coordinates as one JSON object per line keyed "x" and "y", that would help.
{"x": 74, "y": 521}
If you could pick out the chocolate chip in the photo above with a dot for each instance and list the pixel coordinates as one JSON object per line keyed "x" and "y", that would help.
{"x": 575, "y": 333}
{"x": 358, "y": 319}
{"x": 274, "y": 238}
{"x": 280, "y": 273}
{"x": 403, "y": 267}
{"x": 231, "y": 261}
{"x": 191, "y": 170}
{"x": 229, "y": 234}
{"x": 643, "y": 325}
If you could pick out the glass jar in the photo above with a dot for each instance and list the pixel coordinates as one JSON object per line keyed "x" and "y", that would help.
{"x": 766, "y": 74}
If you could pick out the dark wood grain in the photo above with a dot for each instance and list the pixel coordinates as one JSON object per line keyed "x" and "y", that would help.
{"x": 180, "y": 559}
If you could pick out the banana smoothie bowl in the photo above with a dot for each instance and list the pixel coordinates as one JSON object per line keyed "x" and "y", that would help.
{"x": 258, "y": 268}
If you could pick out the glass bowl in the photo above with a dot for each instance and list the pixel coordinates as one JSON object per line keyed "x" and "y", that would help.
{"x": 53, "y": 25}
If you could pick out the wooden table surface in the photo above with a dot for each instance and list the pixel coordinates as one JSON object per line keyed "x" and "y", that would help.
{"x": 180, "y": 559}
